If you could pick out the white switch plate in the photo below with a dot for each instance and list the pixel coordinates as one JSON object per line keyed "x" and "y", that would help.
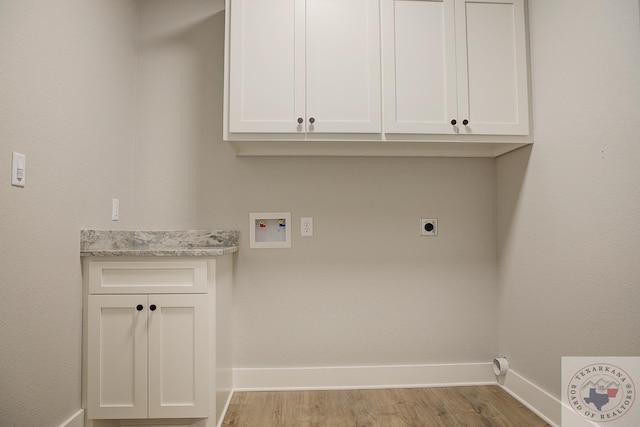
{"x": 306, "y": 226}
{"x": 115, "y": 209}
{"x": 18, "y": 169}
{"x": 429, "y": 227}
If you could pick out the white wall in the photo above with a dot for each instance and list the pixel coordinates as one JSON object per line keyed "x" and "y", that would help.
{"x": 176, "y": 72}
{"x": 67, "y": 72}
{"x": 568, "y": 209}
{"x": 366, "y": 289}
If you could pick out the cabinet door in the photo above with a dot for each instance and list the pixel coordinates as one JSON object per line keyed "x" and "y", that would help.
{"x": 492, "y": 66}
{"x": 178, "y": 356}
{"x": 420, "y": 66}
{"x": 266, "y": 66}
{"x": 343, "y": 66}
{"x": 117, "y": 357}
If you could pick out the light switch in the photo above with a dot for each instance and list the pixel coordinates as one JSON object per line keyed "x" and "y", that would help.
{"x": 18, "y": 169}
{"x": 115, "y": 209}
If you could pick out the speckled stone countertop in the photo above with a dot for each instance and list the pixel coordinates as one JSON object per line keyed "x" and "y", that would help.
{"x": 191, "y": 243}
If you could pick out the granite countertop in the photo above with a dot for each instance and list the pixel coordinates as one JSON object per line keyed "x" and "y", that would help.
{"x": 192, "y": 243}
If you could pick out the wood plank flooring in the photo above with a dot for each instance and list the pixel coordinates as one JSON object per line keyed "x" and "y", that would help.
{"x": 487, "y": 406}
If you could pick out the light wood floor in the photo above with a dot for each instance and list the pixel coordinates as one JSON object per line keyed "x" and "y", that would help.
{"x": 442, "y": 406}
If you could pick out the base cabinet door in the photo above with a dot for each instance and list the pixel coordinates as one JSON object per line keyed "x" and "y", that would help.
{"x": 147, "y": 356}
{"x": 117, "y": 356}
{"x": 178, "y": 356}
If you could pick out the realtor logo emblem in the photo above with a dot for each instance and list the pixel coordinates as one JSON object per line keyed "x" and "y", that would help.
{"x": 601, "y": 392}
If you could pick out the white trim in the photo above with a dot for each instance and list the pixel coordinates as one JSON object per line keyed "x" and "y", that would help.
{"x": 76, "y": 420}
{"x": 533, "y": 397}
{"x": 223, "y": 414}
{"x": 359, "y": 377}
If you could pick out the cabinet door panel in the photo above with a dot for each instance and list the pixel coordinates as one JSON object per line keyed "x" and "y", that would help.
{"x": 178, "y": 356}
{"x": 492, "y": 79}
{"x": 343, "y": 66}
{"x": 420, "y": 73}
{"x": 266, "y": 79}
{"x": 117, "y": 352}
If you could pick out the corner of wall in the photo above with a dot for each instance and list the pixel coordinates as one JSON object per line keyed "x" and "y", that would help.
{"x": 76, "y": 420}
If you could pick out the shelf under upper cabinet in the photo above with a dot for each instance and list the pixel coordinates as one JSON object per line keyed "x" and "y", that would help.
{"x": 375, "y": 148}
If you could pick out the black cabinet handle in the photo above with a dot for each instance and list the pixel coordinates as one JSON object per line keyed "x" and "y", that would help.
{"x": 453, "y": 122}
{"x": 152, "y": 307}
{"x": 300, "y": 120}
{"x": 312, "y": 120}
{"x": 465, "y": 122}
{"x": 139, "y": 307}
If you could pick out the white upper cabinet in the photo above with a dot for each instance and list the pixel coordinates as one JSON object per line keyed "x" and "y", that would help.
{"x": 267, "y": 66}
{"x": 420, "y": 66}
{"x": 455, "y": 67}
{"x": 304, "y": 66}
{"x": 343, "y": 66}
{"x": 376, "y": 77}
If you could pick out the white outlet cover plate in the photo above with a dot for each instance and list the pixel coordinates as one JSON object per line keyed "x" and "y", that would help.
{"x": 306, "y": 226}
{"x": 115, "y": 209}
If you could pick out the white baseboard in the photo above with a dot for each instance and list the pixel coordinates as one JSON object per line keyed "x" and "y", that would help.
{"x": 76, "y": 420}
{"x": 359, "y": 377}
{"x": 533, "y": 397}
{"x": 225, "y": 409}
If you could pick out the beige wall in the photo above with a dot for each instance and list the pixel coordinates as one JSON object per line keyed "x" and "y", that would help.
{"x": 569, "y": 209}
{"x": 176, "y": 104}
{"x": 67, "y": 72}
{"x": 366, "y": 289}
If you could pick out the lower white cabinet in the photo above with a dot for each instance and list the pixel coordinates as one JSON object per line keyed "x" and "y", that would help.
{"x": 156, "y": 340}
{"x": 148, "y": 356}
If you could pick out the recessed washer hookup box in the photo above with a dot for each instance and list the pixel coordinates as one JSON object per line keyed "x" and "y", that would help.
{"x": 270, "y": 230}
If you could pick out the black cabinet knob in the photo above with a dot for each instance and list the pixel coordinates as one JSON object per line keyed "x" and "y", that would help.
{"x": 139, "y": 307}
{"x": 152, "y": 307}
{"x": 312, "y": 120}
{"x": 300, "y": 120}
{"x": 453, "y": 122}
{"x": 465, "y": 122}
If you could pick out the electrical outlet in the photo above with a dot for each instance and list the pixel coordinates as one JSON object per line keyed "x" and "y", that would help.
{"x": 429, "y": 227}
{"x": 306, "y": 226}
